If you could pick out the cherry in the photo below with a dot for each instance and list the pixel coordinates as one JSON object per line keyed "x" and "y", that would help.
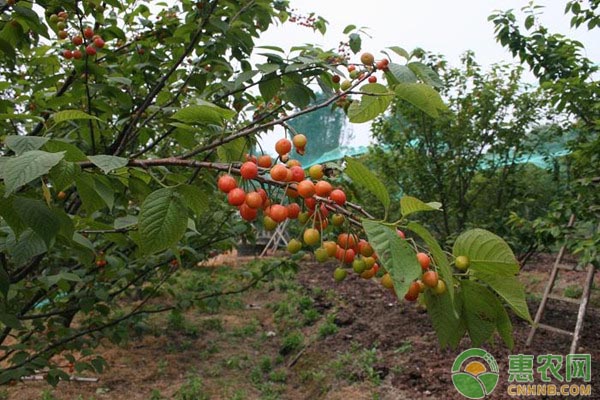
{"x": 265, "y": 161}
{"x": 77, "y": 40}
{"x": 316, "y": 172}
{"x": 338, "y": 196}
{"x": 248, "y": 213}
{"x": 424, "y": 260}
{"x": 88, "y": 32}
{"x": 367, "y": 58}
{"x": 68, "y": 54}
{"x": 99, "y": 42}
{"x": 249, "y": 170}
{"x": 336, "y": 79}
{"x": 254, "y": 200}
{"x": 297, "y": 173}
{"x": 293, "y": 210}
{"x": 283, "y": 146}
{"x": 236, "y": 197}
{"x": 323, "y": 188}
{"x": 279, "y": 172}
{"x": 278, "y": 212}
{"x": 306, "y": 188}
{"x": 90, "y": 51}
{"x": 299, "y": 141}
{"x": 226, "y": 183}
{"x": 430, "y": 278}
{"x": 311, "y": 236}
{"x": 372, "y": 79}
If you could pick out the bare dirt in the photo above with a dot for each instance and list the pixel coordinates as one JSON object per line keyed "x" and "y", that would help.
{"x": 383, "y": 348}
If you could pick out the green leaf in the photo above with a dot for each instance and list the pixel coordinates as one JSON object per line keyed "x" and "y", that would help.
{"x": 195, "y": 199}
{"x": 72, "y": 152}
{"x": 21, "y": 170}
{"x": 355, "y": 42}
{"x": 426, "y": 74}
{"x": 204, "y": 113}
{"x": 400, "y": 51}
{"x": 401, "y": 73}
{"x": 64, "y": 174}
{"x": 4, "y": 281}
{"x": 269, "y": 87}
{"x": 439, "y": 256}
{"x": 22, "y": 144}
{"x": 93, "y": 195}
{"x": 8, "y": 213}
{"x": 26, "y": 247}
{"x": 36, "y": 215}
{"x": 484, "y": 314}
{"x": 163, "y": 220}
{"x": 108, "y": 163}
{"x": 298, "y": 94}
{"x": 487, "y": 252}
{"x": 445, "y": 318}
{"x": 410, "y": 205}
{"x": 267, "y": 68}
{"x": 422, "y": 96}
{"x": 125, "y": 222}
{"x": 362, "y": 176}
{"x": 233, "y": 151}
{"x": 493, "y": 262}
{"x": 10, "y": 320}
{"x": 371, "y": 105}
{"x": 509, "y": 289}
{"x": 349, "y": 29}
{"x": 70, "y": 115}
{"x": 395, "y": 254}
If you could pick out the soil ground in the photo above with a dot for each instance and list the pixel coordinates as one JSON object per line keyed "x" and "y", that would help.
{"x": 303, "y": 336}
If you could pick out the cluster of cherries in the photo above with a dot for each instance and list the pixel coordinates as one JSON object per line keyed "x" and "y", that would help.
{"x": 311, "y": 200}
{"x": 85, "y": 43}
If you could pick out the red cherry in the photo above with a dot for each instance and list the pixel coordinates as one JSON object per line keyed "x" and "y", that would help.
{"x": 248, "y": 213}
{"x": 278, "y": 212}
{"x": 88, "y": 32}
{"x": 310, "y": 203}
{"x": 254, "y": 200}
{"x": 68, "y": 54}
{"x": 90, "y": 51}
{"x": 306, "y": 188}
{"x": 99, "y": 42}
{"x": 297, "y": 173}
{"x": 293, "y": 210}
{"x": 77, "y": 54}
{"x": 323, "y": 188}
{"x": 372, "y": 79}
{"x": 236, "y": 197}
{"x": 336, "y": 79}
{"x": 283, "y": 146}
{"x": 338, "y": 196}
{"x": 249, "y": 170}
{"x": 77, "y": 40}
{"x": 226, "y": 183}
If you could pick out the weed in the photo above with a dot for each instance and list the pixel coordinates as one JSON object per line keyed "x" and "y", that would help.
{"x": 212, "y": 324}
{"x": 357, "y": 365}
{"x": 191, "y": 390}
{"x": 291, "y": 342}
{"x": 328, "y": 327}
{"x": 265, "y": 364}
{"x": 405, "y": 347}
{"x": 162, "y": 366}
{"x": 47, "y": 395}
{"x": 573, "y": 291}
{"x": 246, "y": 330}
{"x": 156, "y": 395}
{"x": 279, "y": 376}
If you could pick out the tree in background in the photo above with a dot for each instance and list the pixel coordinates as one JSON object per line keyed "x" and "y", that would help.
{"x": 569, "y": 78}
{"x": 470, "y": 159}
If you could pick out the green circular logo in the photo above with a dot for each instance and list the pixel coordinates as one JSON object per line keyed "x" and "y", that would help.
{"x": 475, "y": 373}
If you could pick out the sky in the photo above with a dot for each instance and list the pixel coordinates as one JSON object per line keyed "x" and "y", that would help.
{"x": 439, "y": 26}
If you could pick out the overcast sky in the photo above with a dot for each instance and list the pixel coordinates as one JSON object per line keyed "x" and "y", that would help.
{"x": 439, "y": 26}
